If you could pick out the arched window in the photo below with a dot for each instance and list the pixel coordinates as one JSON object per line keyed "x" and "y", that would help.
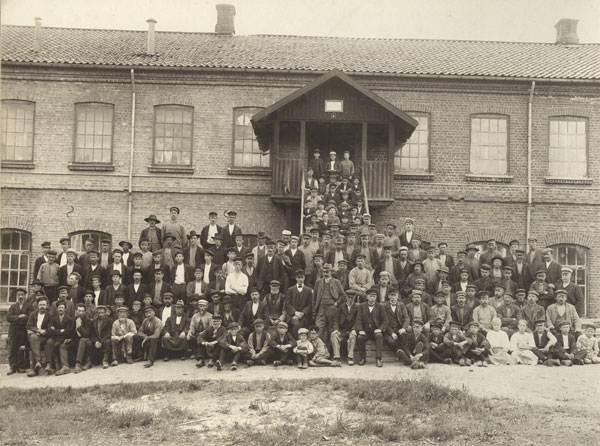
{"x": 78, "y": 239}
{"x": 16, "y": 253}
{"x": 482, "y": 246}
{"x": 575, "y": 257}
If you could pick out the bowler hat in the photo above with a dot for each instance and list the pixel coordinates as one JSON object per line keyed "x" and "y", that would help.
{"x": 152, "y": 217}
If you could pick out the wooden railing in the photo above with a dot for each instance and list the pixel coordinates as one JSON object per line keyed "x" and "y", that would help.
{"x": 379, "y": 180}
{"x": 287, "y": 178}
{"x": 302, "y": 195}
{"x": 364, "y": 183}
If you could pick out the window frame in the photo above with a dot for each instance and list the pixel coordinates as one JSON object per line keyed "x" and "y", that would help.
{"x": 568, "y": 118}
{"x": 24, "y": 163}
{"x": 10, "y": 294}
{"x": 102, "y": 234}
{"x": 482, "y": 247}
{"x": 233, "y": 140}
{"x": 112, "y": 136}
{"x": 166, "y": 166}
{"x": 400, "y": 171}
{"x": 576, "y": 268}
{"x": 498, "y": 116}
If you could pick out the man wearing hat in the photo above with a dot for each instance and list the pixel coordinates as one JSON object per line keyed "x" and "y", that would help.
{"x": 115, "y": 288}
{"x": 230, "y": 230}
{"x": 509, "y": 313}
{"x": 534, "y": 255}
{"x": 254, "y": 309}
{"x": 457, "y": 344}
{"x": 198, "y": 285}
{"x": 69, "y": 267}
{"x": 249, "y": 269}
{"x": 317, "y": 164}
{"x": 159, "y": 287}
{"x": 239, "y": 248}
{"x": 296, "y": 257}
{"x": 126, "y": 255}
{"x": 511, "y": 257}
{"x": 58, "y": 331}
{"x": 93, "y": 268}
{"x": 79, "y": 335}
{"x": 333, "y": 166}
{"x": 174, "y": 337}
{"x": 432, "y": 268}
{"x": 455, "y": 271}
{"x": 544, "y": 343}
{"x": 117, "y": 264}
{"x": 46, "y": 246}
{"x": 472, "y": 262}
{"x": 282, "y": 344}
{"x": 398, "y": 320}
{"x": 230, "y": 313}
{"x": 182, "y": 274}
{"x": 209, "y": 231}
{"x": 38, "y": 324}
{"x": 259, "y": 350}
{"x": 236, "y": 284}
{"x": 100, "y": 335}
{"x": 233, "y": 345}
{"x": 479, "y": 348}
{"x": 562, "y": 311}
{"x": 360, "y": 278}
{"x": 461, "y": 312}
{"x": 63, "y": 297}
{"x": 531, "y": 311}
{"x": 416, "y": 253}
{"x": 407, "y": 235}
{"x": 490, "y": 253}
{"x": 413, "y": 349}
{"x": 176, "y": 228}
{"x": 123, "y": 331}
{"x": 152, "y": 233}
{"x": 200, "y": 321}
{"x": 297, "y": 305}
{"x": 260, "y": 250}
{"x": 543, "y": 288}
{"x": 208, "y": 342}
{"x": 331, "y": 196}
{"x": 522, "y": 274}
{"x": 566, "y": 345}
{"x": 328, "y": 293}
{"x": 193, "y": 255}
{"x": 65, "y": 244}
{"x": 337, "y": 254}
{"x": 148, "y": 335}
{"x": 485, "y": 282}
{"x": 507, "y": 280}
{"x": 137, "y": 257}
{"x": 371, "y": 323}
{"x": 553, "y": 269}
{"x": 17, "y": 316}
{"x": 272, "y": 267}
{"x": 219, "y": 251}
{"x": 105, "y": 253}
{"x": 574, "y": 293}
{"x": 168, "y": 250}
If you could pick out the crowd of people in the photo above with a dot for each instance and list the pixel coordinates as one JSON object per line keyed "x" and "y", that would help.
{"x": 311, "y": 299}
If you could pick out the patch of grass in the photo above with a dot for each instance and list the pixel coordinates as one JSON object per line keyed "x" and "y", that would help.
{"x": 128, "y": 418}
{"x": 275, "y": 435}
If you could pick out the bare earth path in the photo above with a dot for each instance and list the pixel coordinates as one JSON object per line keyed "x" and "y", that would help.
{"x": 574, "y": 387}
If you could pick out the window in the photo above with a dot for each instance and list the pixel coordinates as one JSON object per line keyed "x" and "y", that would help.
{"x": 489, "y": 145}
{"x": 568, "y": 147}
{"x": 16, "y": 252}
{"x": 78, "y": 239}
{"x": 482, "y": 246}
{"x": 16, "y": 137}
{"x": 93, "y": 133}
{"x": 414, "y": 156}
{"x": 245, "y": 147}
{"x": 173, "y": 135}
{"x": 575, "y": 257}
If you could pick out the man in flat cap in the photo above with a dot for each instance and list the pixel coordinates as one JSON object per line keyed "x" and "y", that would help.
{"x": 333, "y": 165}
{"x": 296, "y": 257}
{"x": 176, "y": 228}
{"x": 100, "y": 335}
{"x": 123, "y": 331}
{"x": 209, "y": 231}
{"x": 152, "y": 233}
{"x": 534, "y": 254}
{"x": 328, "y": 294}
{"x": 230, "y": 230}
{"x": 273, "y": 266}
{"x": 69, "y": 267}
{"x": 193, "y": 255}
{"x": 148, "y": 335}
{"x": 46, "y": 246}
{"x": 174, "y": 337}
{"x": 522, "y": 274}
{"x": 407, "y": 235}
{"x": 17, "y": 316}
{"x": 254, "y": 309}
{"x": 371, "y": 323}
{"x": 298, "y": 303}
{"x": 317, "y": 164}
{"x": 274, "y": 300}
{"x": 574, "y": 292}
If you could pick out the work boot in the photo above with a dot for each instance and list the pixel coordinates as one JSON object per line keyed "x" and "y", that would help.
{"x": 362, "y": 361}
{"x": 31, "y": 373}
{"x": 88, "y": 365}
{"x": 200, "y": 363}
{"x": 129, "y": 359}
{"x": 415, "y": 365}
{"x": 11, "y": 371}
{"x": 149, "y": 364}
{"x": 77, "y": 368}
{"x": 210, "y": 363}
{"x": 234, "y": 366}
{"x": 218, "y": 365}
{"x": 378, "y": 362}
{"x": 114, "y": 363}
{"x": 249, "y": 362}
{"x": 49, "y": 370}
{"x": 63, "y": 371}
{"x": 104, "y": 364}
{"x": 350, "y": 361}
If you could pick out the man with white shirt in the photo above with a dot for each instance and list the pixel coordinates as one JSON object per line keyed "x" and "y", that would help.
{"x": 371, "y": 323}
{"x": 93, "y": 269}
{"x": 298, "y": 304}
{"x": 126, "y": 256}
{"x": 230, "y": 230}
{"x": 296, "y": 256}
{"x": 69, "y": 267}
{"x": 446, "y": 259}
{"x": 398, "y": 320}
{"x": 167, "y": 309}
{"x": 105, "y": 255}
{"x": 236, "y": 284}
{"x": 137, "y": 289}
{"x": 37, "y": 334}
{"x": 117, "y": 265}
{"x": 553, "y": 269}
{"x": 209, "y": 231}
{"x": 198, "y": 285}
{"x": 65, "y": 244}
{"x": 408, "y": 234}
{"x": 254, "y": 309}
{"x": 174, "y": 339}
{"x": 260, "y": 250}
{"x": 182, "y": 274}
{"x": 97, "y": 290}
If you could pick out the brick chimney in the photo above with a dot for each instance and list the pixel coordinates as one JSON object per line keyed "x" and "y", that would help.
{"x": 566, "y": 32}
{"x": 225, "y": 15}
{"x": 37, "y": 41}
{"x": 151, "y": 37}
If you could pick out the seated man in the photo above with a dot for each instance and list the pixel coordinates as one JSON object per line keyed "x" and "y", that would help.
{"x": 457, "y": 344}
{"x": 371, "y": 323}
{"x": 413, "y": 347}
{"x": 200, "y": 321}
{"x": 123, "y": 331}
{"x": 208, "y": 342}
{"x": 343, "y": 329}
{"x": 566, "y": 346}
{"x": 99, "y": 338}
{"x": 397, "y": 318}
{"x": 259, "y": 350}
{"x": 175, "y": 333}
{"x": 38, "y": 336}
{"x": 479, "y": 348}
{"x": 79, "y": 334}
{"x": 149, "y": 334}
{"x": 60, "y": 326}
{"x": 282, "y": 345}
{"x": 298, "y": 304}
{"x": 233, "y": 346}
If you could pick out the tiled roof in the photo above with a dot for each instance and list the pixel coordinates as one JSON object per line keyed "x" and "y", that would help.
{"x": 273, "y": 52}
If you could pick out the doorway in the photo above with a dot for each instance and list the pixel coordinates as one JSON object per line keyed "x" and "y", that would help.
{"x": 334, "y": 136}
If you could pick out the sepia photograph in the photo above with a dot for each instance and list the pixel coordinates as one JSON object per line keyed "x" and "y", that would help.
{"x": 300, "y": 222}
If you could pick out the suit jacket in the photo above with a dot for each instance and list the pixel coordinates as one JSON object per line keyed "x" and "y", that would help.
{"x": 165, "y": 287}
{"x": 330, "y": 258}
{"x": 410, "y": 309}
{"x": 524, "y": 277}
{"x": 213, "y": 334}
{"x": 404, "y": 239}
{"x": 110, "y": 293}
{"x": 84, "y": 329}
{"x": 144, "y": 234}
{"x": 148, "y": 276}
{"x": 204, "y": 236}
{"x": 561, "y": 346}
{"x": 198, "y": 257}
{"x": 409, "y": 343}
{"x": 372, "y": 255}
{"x": 188, "y": 274}
{"x": 110, "y": 269}
{"x": 86, "y": 276}
{"x": 298, "y": 260}
{"x": 454, "y": 275}
{"x": 336, "y": 289}
{"x": 396, "y": 319}
{"x": 60, "y": 330}
{"x": 467, "y": 315}
{"x": 229, "y": 239}
{"x": 398, "y": 271}
{"x": 449, "y": 263}
{"x": 190, "y": 289}
{"x": 175, "y": 329}
{"x": 62, "y": 273}
{"x": 276, "y": 340}
{"x": 553, "y": 272}
{"x": 318, "y": 166}
{"x": 535, "y": 260}
{"x": 131, "y": 294}
{"x": 574, "y": 295}
{"x": 571, "y": 316}
{"x": 101, "y": 330}
{"x": 228, "y": 340}
{"x": 345, "y": 318}
{"x": 220, "y": 256}
{"x": 247, "y": 318}
{"x": 33, "y": 318}
{"x": 369, "y": 321}
{"x": 274, "y": 270}
{"x": 16, "y": 323}
{"x": 298, "y": 301}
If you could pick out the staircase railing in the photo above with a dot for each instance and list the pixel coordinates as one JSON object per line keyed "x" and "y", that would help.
{"x": 364, "y": 183}
{"x": 302, "y": 194}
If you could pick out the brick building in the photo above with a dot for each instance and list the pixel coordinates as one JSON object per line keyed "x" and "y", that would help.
{"x": 103, "y": 127}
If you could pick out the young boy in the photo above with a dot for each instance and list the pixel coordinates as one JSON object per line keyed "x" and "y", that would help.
{"x": 566, "y": 347}
{"x": 522, "y": 344}
{"x": 544, "y": 343}
{"x": 346, "y": 165}
{"x": 472, "y": 300}
{"x": 413, "y": 350}
{"x": 588, "y": 343}
{"x": 317, "y": 165}
{"x": 320, "y": 354}
{"x": 282, "y": 345}
{"x": 457, "y": 344}
{"x": 233, "y": 346}
{"x": 258, "y": 344}
{"x": 499, "y": 344}
{"x": 303, "y": 349}
{"x": 208, "y": 342}
{"x": 437, "y": 347}
{"x": 479, "y": 348}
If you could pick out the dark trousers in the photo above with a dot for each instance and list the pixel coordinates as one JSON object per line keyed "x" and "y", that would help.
{"x": 470, "y": 354}
{"x": 324, "y": 322}
{"x": 455, "y": 353}
{"x": 149, "y": 347}
{"x": 296, "y": 324}
{"x": 394, "y": 344}
{"x": 87, "y": 349}
{"x": 51, "y": 294}
{"x": 438, "y": 354}
{"x": 405, "y": 358}
{"x": 226, "y": 354}
{"x": 362, "y": 339}
{"x": 179, "y": 292}
{"x": 278, "y": 355}
{"x": 209, "y": 351}
{"x": 16, "y": 355}
{"x": 561, "y": 353}
{"x": 541, "y": 354}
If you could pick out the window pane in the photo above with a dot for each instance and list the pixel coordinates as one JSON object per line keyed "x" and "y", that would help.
{"x": 414, "y": 156}
{"x": 93, "y": 130}
{"x": 568, "y": 147}
{"x": 489, "y": 151}
{"x": 245, "y": 147}
{"x": 17, "y": 130}
{"x": 173, "y": 137}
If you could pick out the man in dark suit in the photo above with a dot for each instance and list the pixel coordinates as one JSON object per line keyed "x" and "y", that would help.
{"x": 446, "y": 259}
{"x": 59, "y": 331}
{"x": 574, "y": 293}
{"x": 461, "y": 312}
{"x": 70, "y": 267}
{"x": 153, "y": 233}
{"x": 135, "y": 290}
{"x": 38, "y": 324}
{"x": 298, "y": 304}
{"x": 158, "y": 288}
{"x": 511, "y": 257}
{"x": 194, "y": 253}
{"x": 391, "y": 265}
{"x": 254, "y": 309}
{"x": 46, "y": 246}
{"x": 343, "y": 329}
{"x": 93, "y": 269}
{"x": 296, "y": 256}
{"x": 17, "y": 316}
{"x": 270, "y": 267}
{"x": 408, "y": 234}
{"x": 181, "y": 275}
{"x": 332, "y": 166}
{"x": 157, "y": 263}
{"x": 522, "y": 273}
{"x": 371, "y": 323}
{"x": 398, "y": 320}
{"x": 534, "y": 256}
{"x": 230, "y": 230}
{"x": 417, "y": 310}
{"x": 209, "y": 231}
{"x": 553, "y": 269}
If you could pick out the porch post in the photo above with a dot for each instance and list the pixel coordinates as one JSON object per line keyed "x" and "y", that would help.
{"x": 363, "y": 153}
{"x": 392, "y": 145}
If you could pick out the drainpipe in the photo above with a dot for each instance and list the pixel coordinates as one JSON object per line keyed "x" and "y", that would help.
{"x": 529, "y": 184}
{"x": 130, "y": 180}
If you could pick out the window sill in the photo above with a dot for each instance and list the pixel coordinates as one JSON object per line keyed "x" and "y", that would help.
{"x": 559, "y": 180}
{"x": 171, "y": 169}
{"x": 18, "y": 165}
{"x": 489, "y": 178}
{"x": 423, "y": 176}
{"x": 92, "y": 167}
{"x": 255, "y": 171}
